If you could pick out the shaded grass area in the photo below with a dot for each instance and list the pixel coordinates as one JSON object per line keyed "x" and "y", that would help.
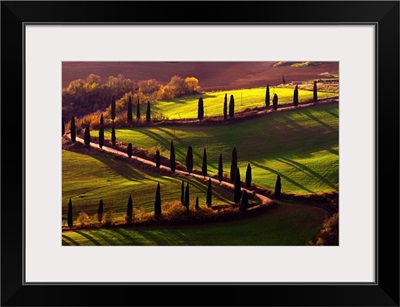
{"x": 301, "y": 145}
{"x": 285, "y": 224}
{"x": 186, "y": 107}
{"x": 88, "y": 178}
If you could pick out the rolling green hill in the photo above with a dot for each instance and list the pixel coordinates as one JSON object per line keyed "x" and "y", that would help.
{"x": 301, "y": 145}
{"x": 186, "y": 107}
{"x": 87, "y": 179}
{"x": 286, "y": 224}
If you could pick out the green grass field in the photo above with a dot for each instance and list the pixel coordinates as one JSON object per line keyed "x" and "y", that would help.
{"x": 87, "y": 179}
{"x": 186, "y": 107}
{"x": 301, "y": 145}
{"x": 286, "y": 224}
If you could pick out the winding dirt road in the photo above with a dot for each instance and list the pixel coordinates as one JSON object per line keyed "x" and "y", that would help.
{"x": 264, "y": 200}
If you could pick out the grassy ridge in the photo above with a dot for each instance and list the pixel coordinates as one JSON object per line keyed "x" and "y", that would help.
{"x": 284, "y": 225}
{"x": 87, "y": 179}
{"x": 301, "y": 145}
{"x": 186, "y": 107}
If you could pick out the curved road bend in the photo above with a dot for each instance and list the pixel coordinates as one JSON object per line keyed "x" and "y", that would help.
{"x": 264, "y": 200}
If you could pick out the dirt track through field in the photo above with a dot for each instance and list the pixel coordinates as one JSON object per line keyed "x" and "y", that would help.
{"x": 264, "y": 200}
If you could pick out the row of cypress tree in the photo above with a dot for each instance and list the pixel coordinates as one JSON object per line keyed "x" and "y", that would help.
{"x": 200, "y": 108}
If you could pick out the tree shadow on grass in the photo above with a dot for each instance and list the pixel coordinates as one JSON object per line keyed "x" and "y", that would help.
{"x": 330, "y": 128}
{"x": 306, "y": 170}
{"x": 90, "y": 238}
{"x": 283, "y": 176}
{"x": 67, "y": 238}
{"x": 121, "y": 169}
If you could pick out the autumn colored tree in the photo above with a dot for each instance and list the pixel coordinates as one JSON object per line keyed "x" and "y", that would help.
{"x": 248, "y": 175}
{"x": 129, "y": 150}
{"x": 267, "y": 97}
{"x": 315, "y": 95}
{"x": 233, "y": 164}
{"x": 220, "y": 169}
{"x": 296, "y": 96}
{"x": 100, "y": 211}
{"x": 129, "y": 115}
{"x": 245, "y": 201}
{"x": 148, "y": 112}
{"x": 113, "y": 108}
{"x": 232, "y": 107}
{"x": 275, "y": 102}
{"x": 209, "y": 193}
{"x": 200, "y": 109}
{"x": 157, "y": 202}
{"x": 129, "y": 211}
{"x": 86, "y": 136}
{"x": 101, "y": 131}
{"x": 189, "y": 160}
{"x": 172, "y": 158}
{"x": 278, "y": 187}
{"x": 73, "y": 130}
{"x": 187, "y": 197}
{"x": 204, "y": 165}
{"x": 70, "y": 214}
{"x": 158, "y": 158}
{"x": 113, "y": 137}
{"x": 237, "y": 189}
{"x": 226, "y": 106}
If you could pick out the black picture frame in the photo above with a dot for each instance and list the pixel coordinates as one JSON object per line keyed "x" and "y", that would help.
{"x": 383, "y": 14}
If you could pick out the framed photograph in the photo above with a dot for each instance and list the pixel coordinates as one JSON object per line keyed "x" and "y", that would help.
{"x": 248, "y": 153}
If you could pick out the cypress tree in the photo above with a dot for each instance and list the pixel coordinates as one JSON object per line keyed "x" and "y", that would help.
{"x": 113, "y": 108}
{"x": 267, "y": 97}
{"x": 226, "y": 107}
{"x": 129, "y": 211}
{"x": 129, "y": 150}
{"x": 275, "y": 102}
{"x": 73, "y": 130}
{"x": 187, "y": 197}
{"x": 278, "y": 187}
{"x": 245, "y": 201}
{"x": 197, "y": 203}
{"x": 233, "y": 164}
{"x": 70, "y": 213}
{"x": 200, "y": 109}
{"x": 138, "y": 109}
{"x": 248, "y": 175}
{"x": 148, "y": 112}
{"x": 296, "y": 96}
{"x": 315, "y": 95}
{"x": 237, "y": 192}
{"x": 158, "y": 158}
{"x": 129, "y": 115}
{"x": 183, "y": 193}
{"x": 283, "y": 79}
{"x": 86, "y": 136}
{"x": 204, "y": 166}
{"x": 100, "y": 211}
{"x": 220, "y": 169}
{"x": 101, "y": 131}
{"x": 113, "y": 137}
{"x": 62, "y": 127}
{"x": 189, "y": 160}
{"x": 209, "y": 193}
{"x": 157, "y": 202}
{"x": 172, "y": 157}
{"x": 232, "y": 107}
